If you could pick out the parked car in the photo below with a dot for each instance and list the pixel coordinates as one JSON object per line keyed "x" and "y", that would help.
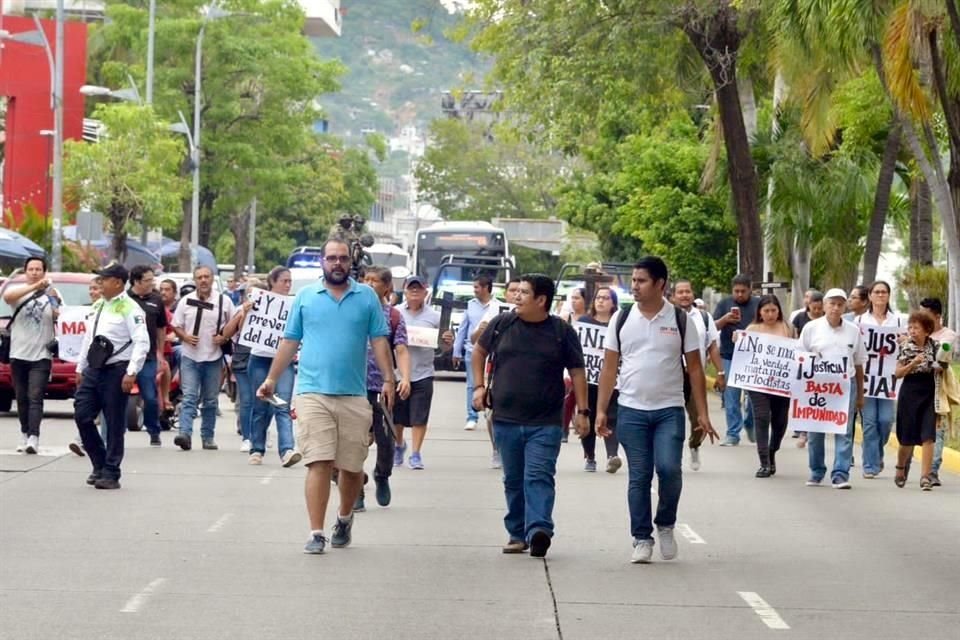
{"x": 75, "y": 290}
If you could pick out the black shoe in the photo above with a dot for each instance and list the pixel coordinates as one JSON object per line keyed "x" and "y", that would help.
{"x": 773, "y": 469}
{"x": 183, "y": 441}
{"x": 763, "y": 472}
{"x": 92, "y": 478}
{"x": 155, "y": 440}
{"x": 539, "y": 543}
{"x": 383, "y": 492}
{"x": 107, "y": 483}
{"x": 934, "y": 479}
{"x": 210, "y": 445}
{"x": 359, "y": 506}
{"x": 342, "y": 535}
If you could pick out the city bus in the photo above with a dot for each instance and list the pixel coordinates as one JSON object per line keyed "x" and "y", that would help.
{"x": 464, "y": 239}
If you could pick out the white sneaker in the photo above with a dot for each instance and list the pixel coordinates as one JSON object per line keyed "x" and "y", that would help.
{"x": 255, "y": 458}
{"x": 470, "y": 426}
{"x": 695, "y": 459}
{"x": 77, "y": 447}
{"x": 642, "y": 552}
{"x": 22, "y": 444}
{"x": 495, "y": 461}
{"x": 291, "y": 458}
{"x": 33, "y": 445}
{"x": 245, "y": 446}
{"x": 668, "y": 544}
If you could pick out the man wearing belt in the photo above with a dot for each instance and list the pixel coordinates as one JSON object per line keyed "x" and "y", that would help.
{"x": 122, "y": 324}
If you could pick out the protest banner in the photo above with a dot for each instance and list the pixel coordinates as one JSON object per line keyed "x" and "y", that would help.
{"x": 423, "y": 337}
{"x": 265, "y": 322}
{"x": 883, "y": 347}
{"x": 764, "y": 363}
{"x": 71, "y": 329}
{"x": 591, "y": 341}
{"x": 819, "y": 395}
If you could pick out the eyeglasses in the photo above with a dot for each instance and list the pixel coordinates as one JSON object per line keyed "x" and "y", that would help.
{"x": 602, "y": 298}
{"x": 336, "y": 259}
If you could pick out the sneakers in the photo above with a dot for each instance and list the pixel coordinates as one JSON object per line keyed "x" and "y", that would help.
{"x": 934, "y": 479}
{"x": 183, "y": 441}
{"x": 316, "y": 545}
{"x": 642, "y": 552}
{"x": 245, "y": 446}
{"x": 695, "y": 459}
{"x": 470, "y": 426}
{"x": 841, "y": 483}
{"x": 730, "y": 442}
{"x": 869, "y": 476}
{"x": 342, "y": 533}
{"x": 210, "y": 445}
{"x": 76, "y": 447}
{"x": 398, "y": 454}
{"x": 590, "y": 466}
{"x": 515, "y": 546}
{"x": 814, "y": 482}
{"x": 415, "y": 462}
{"x": 255, "y": 458}
{"x": 496, "y": 462}
{"x": 22, "y": 444}
{"x": 539, "y": 543}
{"x": 668, "y": 544}
{"x": 106, "y": 483}
{"x": 383, "y": 491}
{"x": 291, "y": 458}
{"x": 33, "y": 445}
{"x": 358, "y": 507}
{"x": 155, "y": 440}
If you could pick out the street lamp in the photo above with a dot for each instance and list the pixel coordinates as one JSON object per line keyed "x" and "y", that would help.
{"x": 127, "y": 95}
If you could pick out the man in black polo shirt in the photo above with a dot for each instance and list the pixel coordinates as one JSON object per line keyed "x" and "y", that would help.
{"x": 143, "y": 293}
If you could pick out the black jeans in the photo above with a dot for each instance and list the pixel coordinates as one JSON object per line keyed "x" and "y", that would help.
{"x": 589, "y": 442}
{"x": 101, "y": 391}
{"x": 383, "y": 438}
{"x": 30, "y": 384}
{"x": 770, "y": 414}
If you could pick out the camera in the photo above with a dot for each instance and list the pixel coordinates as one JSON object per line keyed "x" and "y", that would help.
{"x": 350, "y": 230}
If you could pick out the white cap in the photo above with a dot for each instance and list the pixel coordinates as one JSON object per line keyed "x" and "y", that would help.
{"x": 835, "y": 293}
{"x": 698, "y": 302}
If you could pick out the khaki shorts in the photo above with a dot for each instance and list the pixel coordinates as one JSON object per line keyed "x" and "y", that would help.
{"x": 334, "y": 428}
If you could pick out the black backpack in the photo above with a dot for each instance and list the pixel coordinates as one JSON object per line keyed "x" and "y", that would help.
{"x": 681, "y": 316}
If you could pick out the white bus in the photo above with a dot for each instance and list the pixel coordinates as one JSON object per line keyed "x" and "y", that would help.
{"x": 463, "y": 240}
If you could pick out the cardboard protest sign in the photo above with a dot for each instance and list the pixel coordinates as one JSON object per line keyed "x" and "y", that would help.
{"x": 591, "y": 341}
{"x": 819, "y": 395}
{"x": 423, "y": 337}
{"x": 72, "y": 326}
{"x": 763, "y": 363}
{"x": 265, "y": 322}
{"x": 883, "y": 347}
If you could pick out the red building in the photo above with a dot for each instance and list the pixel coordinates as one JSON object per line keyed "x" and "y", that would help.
{"x": 25, "y": 82}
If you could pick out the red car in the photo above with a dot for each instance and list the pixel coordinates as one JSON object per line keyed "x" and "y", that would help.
{"x": 75, "y": 290}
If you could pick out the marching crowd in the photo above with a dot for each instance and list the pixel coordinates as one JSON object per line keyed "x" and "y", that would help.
{"x": 354, "y": 370}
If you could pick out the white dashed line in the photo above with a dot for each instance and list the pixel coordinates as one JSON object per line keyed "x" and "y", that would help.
{"x": 269, "y": 477}
{"x": 138, "y": 600}
{"x": 219, "y": 524}
{"x": 690, "y": 535}
{"x": 767, "y": 613}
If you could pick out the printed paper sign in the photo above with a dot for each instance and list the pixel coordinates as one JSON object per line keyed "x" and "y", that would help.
{"x": 819, "y": 395}
{"x": 883, "y": 347}
{"x": 71, "y": 329}
{"x": 763, "y": 363}
{"x": 591, "y": 341}
{"x": 423, "y": 337}
{"x": 265, "y": 322}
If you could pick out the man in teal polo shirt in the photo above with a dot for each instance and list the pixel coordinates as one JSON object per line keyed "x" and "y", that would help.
{"x": 331, "y": 323}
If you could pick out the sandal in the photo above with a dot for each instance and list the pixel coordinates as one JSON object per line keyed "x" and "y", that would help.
{"x": 926, "y": 483}
{"x": 901, "y": 478}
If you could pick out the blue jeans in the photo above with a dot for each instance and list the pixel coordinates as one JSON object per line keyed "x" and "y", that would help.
{"x": 529, "y": 455}
{"x": 736, "y": 420}
{"x": 245, "y": 398}
{"x": 652, "y": 439}
{"x": 471, "y": 412}
{"x": 878, "y": 415}
{"x": 263, "y": 411}
{"x": 938, "y": 449}
{"x": 147, "y": 383}
{"x": 200, "y": 382}
{"x": 843, "y": 447}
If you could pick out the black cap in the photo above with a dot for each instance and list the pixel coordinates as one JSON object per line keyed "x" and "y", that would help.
{"x": 114, "y": 270}
{"x": 415, "y": 280}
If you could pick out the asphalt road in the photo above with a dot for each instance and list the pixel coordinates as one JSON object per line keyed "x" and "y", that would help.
{"x": 200, "y": 545}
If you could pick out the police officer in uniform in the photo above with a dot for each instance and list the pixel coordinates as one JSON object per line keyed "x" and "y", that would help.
{"x": 113, "y": 352}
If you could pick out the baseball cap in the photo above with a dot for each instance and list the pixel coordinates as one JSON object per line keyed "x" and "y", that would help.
{"x": 835, "y": 293}
{"x": 415, "y": 280}
{"x": 114, "y": 270}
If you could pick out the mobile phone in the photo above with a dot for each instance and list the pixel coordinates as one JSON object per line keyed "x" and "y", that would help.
{"x": 276, "y": 401}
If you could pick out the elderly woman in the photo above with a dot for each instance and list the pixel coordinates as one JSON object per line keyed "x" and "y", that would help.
{"x": 916, "y": 417}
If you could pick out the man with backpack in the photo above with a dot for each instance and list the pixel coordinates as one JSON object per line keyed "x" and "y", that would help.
{"x": 652, "y": 353}
{"x": 529, "y": 350}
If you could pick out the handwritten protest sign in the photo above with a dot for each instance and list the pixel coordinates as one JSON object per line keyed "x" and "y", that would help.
{"x": 882, "y": 351}
{"x": 263, "y": 327}
{"x": 819, "y": 395}
{"x": 71, "y": 329}
{"x": 591, "y": 341}
{"x": 763, "y": 363}
{"x": 422, "y": 336}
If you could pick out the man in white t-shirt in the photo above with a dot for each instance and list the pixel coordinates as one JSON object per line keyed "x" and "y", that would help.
{"x": 647, "y": 347}
{"x": 834, "y": 339}
{"x": 942, "y": 334}
{"x": 198, "y": 322}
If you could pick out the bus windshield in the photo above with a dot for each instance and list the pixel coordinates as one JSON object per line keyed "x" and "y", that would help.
{"x": 432, "y": 247}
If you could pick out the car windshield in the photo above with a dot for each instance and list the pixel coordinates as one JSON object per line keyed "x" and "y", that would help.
{"x": 74, "y": 294}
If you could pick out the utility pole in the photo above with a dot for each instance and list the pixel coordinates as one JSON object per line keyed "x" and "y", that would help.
{"x": 56, "y": 253}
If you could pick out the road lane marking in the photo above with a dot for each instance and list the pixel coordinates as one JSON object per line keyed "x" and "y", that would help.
{"x": 138, "y": 600}
{"x": 690, "y": 534}
{"x": 270, "y": 476}
{"x": 767, "y": 613}
{"x": 216, "y": 526}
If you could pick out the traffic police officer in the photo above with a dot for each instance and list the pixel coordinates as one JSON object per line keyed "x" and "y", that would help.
{"x": 113, "y": 352}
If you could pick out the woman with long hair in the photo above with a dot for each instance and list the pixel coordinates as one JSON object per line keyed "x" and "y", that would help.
{"x": 578, "y": 304}
{"x": 770, "y": 412}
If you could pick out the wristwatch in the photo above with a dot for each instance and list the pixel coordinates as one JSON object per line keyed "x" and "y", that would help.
{"x": 721, "y": 373}
{"x": 583, "y": 412}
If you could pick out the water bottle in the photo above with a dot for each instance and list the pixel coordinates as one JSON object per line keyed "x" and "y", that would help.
{"x": 943, "y": 353}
